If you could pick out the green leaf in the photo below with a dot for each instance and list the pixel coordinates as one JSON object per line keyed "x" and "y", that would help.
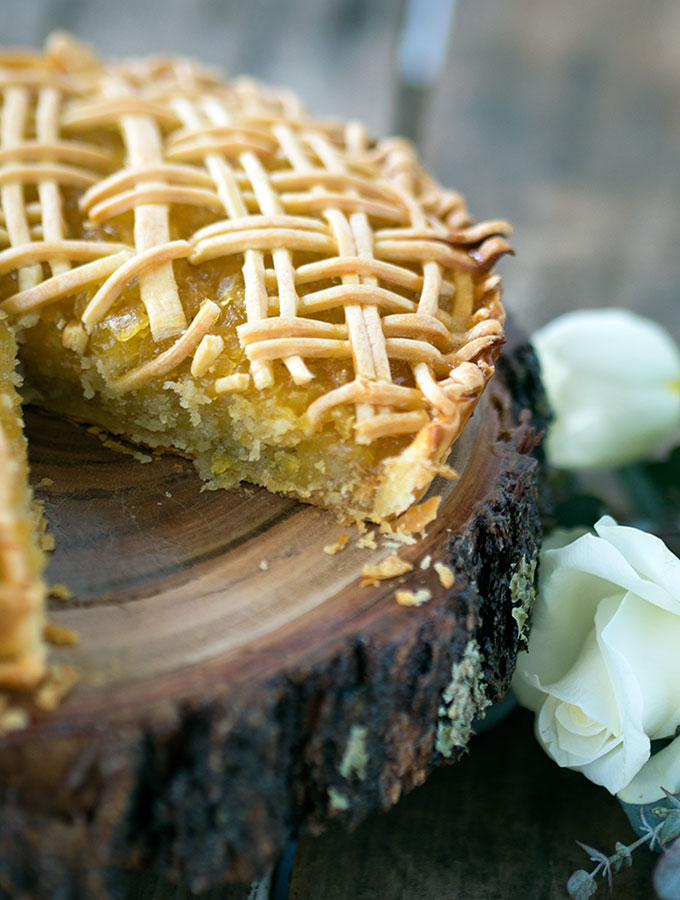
{"x": 601, "y": 858}
{"x": 671, "y": 827}
{"x": 596, "y": 855}
{"x": 624, "y": 858}
{"x": 667, "y": 874}
{"x": 581, "y": 885}
{"x": 661, "y": 812}
{"x": 672, "y": 799}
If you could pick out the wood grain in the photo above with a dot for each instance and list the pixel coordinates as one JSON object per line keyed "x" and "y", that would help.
{"x": 227, "y": 662}
{"x": 166, "y": 576}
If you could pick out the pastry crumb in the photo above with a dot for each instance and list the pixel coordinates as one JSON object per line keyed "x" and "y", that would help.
{"x": 426, "y": 562}
{"x": 45, "y": 482}
{"x": 13, "y": 718}
{"x": 418, "y": 517}
{"x": 405, "y": 597}
{"x": 367, "y": 541}
{"x": 264, "y": 565}
{"x": 445, "y": 471}
{"x": 337, "y": 546}
{"x": 141, "y": 457}
{"x": 59, "y": 682}
{"x": 59, "y": 591}
{"x": 397, "y": 538}
{"x": 445, "y": 573}
{"x": 46, "y": 542}
{"x": 60, "y": 636}
{"x": 38, "y": 513}
{"x": 390, "y": 567}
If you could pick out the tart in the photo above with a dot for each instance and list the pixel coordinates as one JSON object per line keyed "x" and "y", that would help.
{"x": 202, "y": 267}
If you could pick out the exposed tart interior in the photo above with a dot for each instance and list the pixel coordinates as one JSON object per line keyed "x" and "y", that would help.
{"x": 22, "y": 650}
{"x": 200, "y": 265}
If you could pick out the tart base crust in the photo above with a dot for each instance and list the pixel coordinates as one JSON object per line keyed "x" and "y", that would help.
{"x": 22, "y": 592}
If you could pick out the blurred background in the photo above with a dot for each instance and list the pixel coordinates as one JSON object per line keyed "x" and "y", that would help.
{"x": 562, "y": 117}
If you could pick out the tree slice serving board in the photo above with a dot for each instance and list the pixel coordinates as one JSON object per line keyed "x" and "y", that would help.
{"x": 238, "y": 684}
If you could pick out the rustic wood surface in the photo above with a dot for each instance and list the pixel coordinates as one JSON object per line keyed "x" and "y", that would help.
{"x": 238, "y": 684}
{"x": 166, "y": 576}
{"x": 565, "y": 118}
{"x": 226, "y": 705}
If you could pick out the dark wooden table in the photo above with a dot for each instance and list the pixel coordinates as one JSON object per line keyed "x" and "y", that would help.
{"x": 564, "y": 118}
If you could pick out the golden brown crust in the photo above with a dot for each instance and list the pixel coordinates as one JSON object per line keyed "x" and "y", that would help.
{"x": 349, "y": 252}
{"x": 22, "y": 593}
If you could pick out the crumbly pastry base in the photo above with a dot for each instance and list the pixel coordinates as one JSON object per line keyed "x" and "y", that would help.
{"x": 22, "y": 592}
{"x": 200, "y": 265}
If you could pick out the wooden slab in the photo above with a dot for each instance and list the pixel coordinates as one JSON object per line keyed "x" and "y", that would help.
{"x": 238, "y": 684}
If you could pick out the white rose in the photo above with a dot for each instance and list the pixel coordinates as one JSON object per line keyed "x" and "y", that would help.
{"x": 661, "y": 771}
{"x": 613, "y": 381}
{"x": 603, "y": 667}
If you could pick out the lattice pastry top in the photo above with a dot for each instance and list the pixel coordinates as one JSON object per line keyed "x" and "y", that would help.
{"x": 352, "y": 273}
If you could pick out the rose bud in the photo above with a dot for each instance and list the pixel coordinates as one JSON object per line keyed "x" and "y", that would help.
{"x": 613, "y": 381}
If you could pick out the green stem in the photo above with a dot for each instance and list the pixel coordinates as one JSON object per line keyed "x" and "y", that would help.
{"x": 645, "y": 838}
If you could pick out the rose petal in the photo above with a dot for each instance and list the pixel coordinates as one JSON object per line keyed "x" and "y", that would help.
{"x": 526, "y": 685}
{"x": 622, "y": 681}
{"x": 573, "y": 719}
{"x": 641, "y": 644}
{"x": 579, "y": 735}
{"x": 649, "y": 556}
{"x": 615, "y": 769}
{"x": 576, "y": 687}
{"x": 568, "y": 596}
{"x": 568, "y": 749}
{"x": 591, "y": 555}
{"x": 661, "y": 771}
{"x": 614, "y": 757}
{"x": 576, "y": 750}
